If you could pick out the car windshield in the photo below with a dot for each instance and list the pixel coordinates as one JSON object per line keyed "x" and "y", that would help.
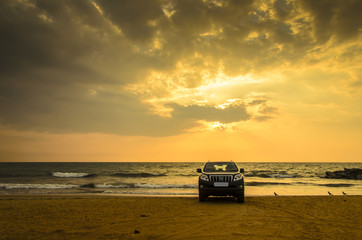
{"x": 220, "y": 167}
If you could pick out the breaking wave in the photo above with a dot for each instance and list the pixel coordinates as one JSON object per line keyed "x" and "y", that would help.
{"x": 336, "y": 185}
{"x": 135, "y": 175}
{"x": 164, "y": 186}
{"x": 151, "y": 193}
{"x": 71, "y": 175}
{"x": 283, "y": 176}
{"x": 104, "y": 185}
{"x": 36, "y": 186}
{"x": 140, "y": 185}
{"x": 265, "y": 183}
{"x": 92, "y": 185}
{"x": 271, "y": 174}
{"x": 188, "y": 175}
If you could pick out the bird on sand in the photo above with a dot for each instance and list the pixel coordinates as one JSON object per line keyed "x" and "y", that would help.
{"x": 330, "y": 193}
{"x": 344, "y": 193}
{"x": 276, "y": 194}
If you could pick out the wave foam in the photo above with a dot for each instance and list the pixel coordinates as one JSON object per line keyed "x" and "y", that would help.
{"x": 272, "y": 175}
{"x": 164, "y": 186}
{"x": 70, "y": 175}
{"x": 135, "y": 175}
{"x": 141, "y": 185}
{"x": 151, "y": 193}
{"x": 104, "y": 185}
{"x": 336, "y": 185}
{"x": 36, "y": 186}
{"x": 265, "y": 183}
{"x": 282, "y": 176}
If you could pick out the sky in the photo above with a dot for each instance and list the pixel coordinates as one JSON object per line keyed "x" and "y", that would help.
{"x": 181, "y": 80}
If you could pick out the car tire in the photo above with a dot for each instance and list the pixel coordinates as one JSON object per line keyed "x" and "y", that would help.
{"x": 202, "y": 197}
{"x": 240, "y": 198}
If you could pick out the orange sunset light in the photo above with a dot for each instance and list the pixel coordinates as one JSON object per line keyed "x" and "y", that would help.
{"x": 127, "y": 81}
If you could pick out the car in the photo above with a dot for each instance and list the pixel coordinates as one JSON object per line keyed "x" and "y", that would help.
{"x": 221, "y": 179}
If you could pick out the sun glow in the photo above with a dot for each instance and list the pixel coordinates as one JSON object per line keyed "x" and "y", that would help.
{"x": 212, "y": 89}
{"x": 209, "y": 88}
{"x": 213, "y": 126}
{"x": 272, "y": 80}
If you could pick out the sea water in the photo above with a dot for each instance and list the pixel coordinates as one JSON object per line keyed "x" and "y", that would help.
{"x": 169, "y": 178}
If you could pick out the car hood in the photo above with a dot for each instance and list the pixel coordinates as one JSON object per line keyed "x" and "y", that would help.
{"x": 220, "y": 173}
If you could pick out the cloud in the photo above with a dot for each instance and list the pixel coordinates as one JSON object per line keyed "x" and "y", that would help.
{"x": 136, "y": 19}
{"x": 43, "y": 34}
{"x": 334, "y": 18}
{"x": 67, "y": 111}
{"x": 231, "y": 114}
{"x": 80, "y": 65}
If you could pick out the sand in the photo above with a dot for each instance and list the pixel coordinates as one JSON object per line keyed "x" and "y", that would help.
{"x": 111, "y": 217}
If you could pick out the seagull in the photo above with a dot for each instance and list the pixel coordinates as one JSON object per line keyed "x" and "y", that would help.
{"x": 344, "y": 193}
{"x": 330, "y": 193}
{"x": 276, "y": 194}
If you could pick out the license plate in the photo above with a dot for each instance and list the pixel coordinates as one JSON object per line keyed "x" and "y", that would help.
{"x": 221, "y": 184}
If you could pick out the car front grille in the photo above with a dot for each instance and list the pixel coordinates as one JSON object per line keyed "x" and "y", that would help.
{"x": 221, "y": 178}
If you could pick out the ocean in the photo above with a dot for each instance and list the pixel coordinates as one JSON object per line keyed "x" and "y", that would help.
{"x": 169, "y": 178}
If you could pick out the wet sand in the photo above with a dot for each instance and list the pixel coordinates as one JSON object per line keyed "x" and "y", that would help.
{"x": 111, "y": 217}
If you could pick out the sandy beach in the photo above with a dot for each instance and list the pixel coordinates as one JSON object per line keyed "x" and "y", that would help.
{"x": 113, "y": 217}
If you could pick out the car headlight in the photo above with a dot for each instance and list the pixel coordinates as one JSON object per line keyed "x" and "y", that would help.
{"x": 204, "y": 177}
{"x": 237, "y": 177}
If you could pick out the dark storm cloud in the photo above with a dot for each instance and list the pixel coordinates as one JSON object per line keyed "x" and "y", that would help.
{"x": 70, "y": 109}
{"x": 134, "y": 17}
{"x": 333, "y": 17}
{"x": 283, "y": 9}
{"x": 53, "y": 53}
{"x": 64, "y": 64}
{"x": 42, "y": 35}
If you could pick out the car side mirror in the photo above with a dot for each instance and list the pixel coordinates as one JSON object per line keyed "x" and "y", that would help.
{"x": 241, "y": 170}
{"x": 199, "y": 170}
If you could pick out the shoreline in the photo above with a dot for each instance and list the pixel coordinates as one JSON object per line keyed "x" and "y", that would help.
{"x": 105, "y": 195}
{"x": 140, "y": 196}
{"x": 94, "y": 216}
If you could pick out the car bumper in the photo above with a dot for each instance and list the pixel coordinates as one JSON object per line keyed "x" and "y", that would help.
{"x": 208, "y": 188}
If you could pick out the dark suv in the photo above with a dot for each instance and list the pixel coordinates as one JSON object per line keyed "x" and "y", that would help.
{"x": 221, "y": 179}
